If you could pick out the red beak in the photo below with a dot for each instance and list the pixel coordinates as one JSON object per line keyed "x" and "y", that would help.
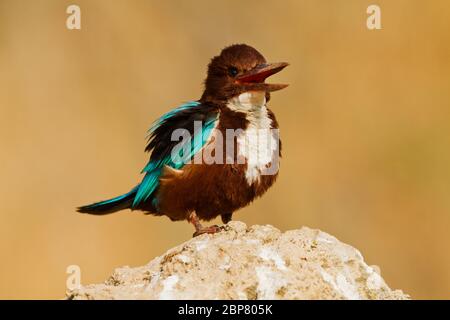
{"x": 256, "y": 77}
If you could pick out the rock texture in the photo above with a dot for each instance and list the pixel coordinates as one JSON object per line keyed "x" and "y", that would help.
{"x": 257, "y": 262}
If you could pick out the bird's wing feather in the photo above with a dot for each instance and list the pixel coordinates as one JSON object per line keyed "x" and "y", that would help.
{"x": 161, "y": 145}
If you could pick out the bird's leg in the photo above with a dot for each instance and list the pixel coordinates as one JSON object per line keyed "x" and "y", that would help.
{"x": 199, "y": 229}
{"x": 226, "y": 217}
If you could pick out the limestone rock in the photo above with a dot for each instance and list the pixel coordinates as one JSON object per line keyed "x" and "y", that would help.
{"x": 257, "y": 262}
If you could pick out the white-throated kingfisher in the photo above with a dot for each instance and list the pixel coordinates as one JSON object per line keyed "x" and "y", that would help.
{"x": 234, "y": 100}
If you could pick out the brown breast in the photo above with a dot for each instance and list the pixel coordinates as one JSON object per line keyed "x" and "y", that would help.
{"x": 212, "y": 189}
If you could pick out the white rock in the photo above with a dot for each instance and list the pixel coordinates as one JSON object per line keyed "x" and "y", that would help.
{"x": 258, "y": 262}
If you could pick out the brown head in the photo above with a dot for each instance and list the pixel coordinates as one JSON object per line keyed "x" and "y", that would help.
{"x": 239, "y": 68}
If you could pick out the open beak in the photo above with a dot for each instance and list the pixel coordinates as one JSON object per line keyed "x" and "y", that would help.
{"x": 254, "y": 79}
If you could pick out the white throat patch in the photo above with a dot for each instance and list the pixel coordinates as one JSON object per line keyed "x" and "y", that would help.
{"x": 259, "y": 143}
{"x": 248, "y": 101}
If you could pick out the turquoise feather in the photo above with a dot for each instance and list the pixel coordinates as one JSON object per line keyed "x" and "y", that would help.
{"x": 153, "y": 169}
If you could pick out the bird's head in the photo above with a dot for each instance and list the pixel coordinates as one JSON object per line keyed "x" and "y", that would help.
{"x": 239, "y": 68}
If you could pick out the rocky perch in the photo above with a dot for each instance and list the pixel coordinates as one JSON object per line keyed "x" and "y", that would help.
{"x": 257, "y": 262}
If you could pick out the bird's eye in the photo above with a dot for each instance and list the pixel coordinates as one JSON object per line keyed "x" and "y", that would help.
{"x": 233, "y": 71}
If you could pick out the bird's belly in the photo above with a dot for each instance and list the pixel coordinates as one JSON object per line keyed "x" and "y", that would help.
{"x": 209, "y": 190}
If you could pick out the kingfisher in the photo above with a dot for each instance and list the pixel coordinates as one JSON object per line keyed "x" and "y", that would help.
{"x": 210, "y": 174}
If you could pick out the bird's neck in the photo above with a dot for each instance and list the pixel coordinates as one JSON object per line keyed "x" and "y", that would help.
{"x": 252, "y": 105}
{"x": 248, "y": 102}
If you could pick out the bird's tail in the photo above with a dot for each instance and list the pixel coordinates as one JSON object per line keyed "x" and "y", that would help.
{"x": 124, "y": 201}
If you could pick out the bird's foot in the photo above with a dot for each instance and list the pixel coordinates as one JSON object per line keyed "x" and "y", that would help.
{"x": 226, "y": 217}
{"x": 199, "y": 229}
{"x": 211, "y": 230}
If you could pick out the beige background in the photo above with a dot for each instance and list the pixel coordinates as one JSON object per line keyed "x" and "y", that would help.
{"x": 364, "y": 123}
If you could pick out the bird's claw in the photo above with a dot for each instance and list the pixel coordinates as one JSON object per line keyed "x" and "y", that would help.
{"x": 211, "y": 230}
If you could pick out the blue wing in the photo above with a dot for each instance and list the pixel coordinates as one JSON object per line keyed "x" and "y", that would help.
{"x": 161, "y": 144}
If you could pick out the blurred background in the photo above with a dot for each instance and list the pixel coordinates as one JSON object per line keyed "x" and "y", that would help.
{"x": 364, "y": 124}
